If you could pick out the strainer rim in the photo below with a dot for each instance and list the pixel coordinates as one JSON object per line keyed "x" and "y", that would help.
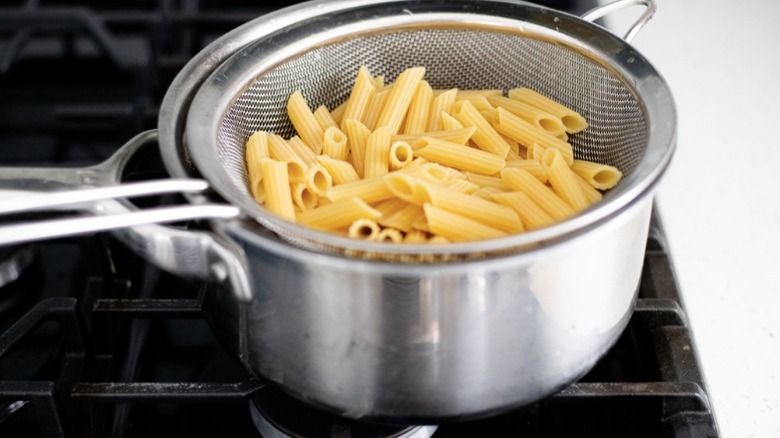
{"x": 642, "y": 180}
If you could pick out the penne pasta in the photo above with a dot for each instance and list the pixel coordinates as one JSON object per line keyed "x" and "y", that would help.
{"x": 375, "y": 105}
{"x": 441, "y": 103}
{"x": 600, "y": 176}
{"x": 318, "y": 180}
{"x": 430, "y": 172}
{"x": 276, "y": 185}
{"x": 486, "y": 137}
{"x": 458, "y": 156}
{"x": 357, "y": 136}
{"x": 520, "y": 180}
{"x": 324, "y": 118}
{"x": 377, "y": 159}
{"x": 370, "y": 190}
{"x": 541, "y": 119}
{"x": 487, "y": 192}
{"x": 530, "y": 214}
{"x": 302, "y": 151}
{"x": 390, "y": 235}
{"x": 591, "y": 194}
{"x": 478, "y": 209}
{"x": 340, "y": 171}
{"x": 403, "y": 218}
{"x": 488, "y": 181}
{"x": 338, "y": 113}
{"x": 467, "y": 94}
{"x": 449, "y": 123}
{"x": 406, "y": 188}
{"x": 281, "y": 151}
{"x": 334, "y": 143}
{"x": 415, "y": 236}
{"x": 527, "y": 134}
{"x": 563, "y": 180}
{"x": 531, "y": 166}
{"x": 256, "y": 150}
{"x": 417, "y": 118}
{"x": 457, "y": 228}
{"x": 365, "y": 229}
{"x": 302, "y": 196}
{"x": 462, "y": 186}
{"x": 571, "y": 119}
{"x": 336, "y": 215}
{"x": 401, "y": 154}
{"x": 304, "y": 121}
{"x": 359, "y": 98}
{"x": 400, "y": 98}
{"x": 460, "y": 136}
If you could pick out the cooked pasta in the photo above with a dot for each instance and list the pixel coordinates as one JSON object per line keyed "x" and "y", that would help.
{"x": 600, "y": 176}
{"x": 441, "y": 103}
{"x": 276, "y": 185}
{"x": 417, "y": 118}
{"x": 486, "y": 137}
{"x": 397, "y": 103}
{"x": 457, "y": 228}
{"x": 336, "y": 215}
{"x": 573, "y": 121}
{"x": 458, "y": 156}
{"x": 469, "y": 165}
{"x": 304, "y": 121}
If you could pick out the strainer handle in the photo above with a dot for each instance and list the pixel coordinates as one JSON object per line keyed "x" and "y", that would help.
{"x": 604, "y": 10}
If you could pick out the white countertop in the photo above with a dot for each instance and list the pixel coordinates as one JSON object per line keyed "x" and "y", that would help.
{"x": 720, "y": 200}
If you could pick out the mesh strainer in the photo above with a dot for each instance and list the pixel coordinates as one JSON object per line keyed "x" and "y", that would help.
{"x": 471, "y": 44}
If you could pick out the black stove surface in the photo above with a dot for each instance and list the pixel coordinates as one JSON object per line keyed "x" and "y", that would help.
{"x": 95, "y": 342}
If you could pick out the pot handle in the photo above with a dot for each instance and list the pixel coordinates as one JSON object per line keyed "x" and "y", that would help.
{"x": 601, "y": 11}
{"x": 198, "y": 254}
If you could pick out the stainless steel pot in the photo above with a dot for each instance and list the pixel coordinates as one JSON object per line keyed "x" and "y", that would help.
{"x": 373, "y": 336}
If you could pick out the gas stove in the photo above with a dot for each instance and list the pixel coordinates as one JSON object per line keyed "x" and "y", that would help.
{"x": 96, "y": 342}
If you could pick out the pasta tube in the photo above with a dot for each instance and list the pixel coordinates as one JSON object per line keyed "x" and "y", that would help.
{"x": 531, "y": 166}
{"x": 304, "y": 121}
{"x": 357, "y": 136}
{"x": 390, "y": 235}
{"x": 256, "y": 150}
{"x": 520, "y": 180}
{"x": 359, "y": 98}
{"x": 441, "y": 103}
{"x": 486, "y": 137}
{"x": 457, "y": 228}
{"x": 276, "y": 184}
{"x": 338, "y": 113}
{"x": 403, "y": 218}
{"x": 563, "y": 180}
{"x": 324, "y": 118}
{"x": 400, "y": 98}
{"x": 302, "y": 151}
{"x": 458, "y": 156}
{"x": 488, "y": 181}
{"x": 374, "y": 109}
{"x": 334, "y": 143}
{"x": 336, "y": 215}
{"x": 341, "y": 171}
{"x": 377, "y": 153}
{"x": 302, "y": 196}
{"x": 543, "y": 120}
{"x": 478, "y": 209}
{"x": 600, "y": 176}
{"x": 400, "y": 154}
{"x": 460, "y": 136}
{"x": 530, "y": 214}
{"x": 571, "y": 119}
{"x": 281, "y": 151}
{"x": 365, "y": 229}
{"x": 417, "y": 118}
{"x": 415, "y": 236}
{"x": 449, "y": 123}
{"x": 527, "y": 134}
{"x": 370, "y": 190}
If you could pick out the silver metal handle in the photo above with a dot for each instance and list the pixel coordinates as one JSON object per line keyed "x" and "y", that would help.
{"x": 601, "y": 11}
{"x": 45, "y": 201}
{"x": 40, "y": 230}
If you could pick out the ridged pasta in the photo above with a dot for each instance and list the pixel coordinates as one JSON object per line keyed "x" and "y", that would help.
{"x": 359, "y": 97}
{"x": 527, "y": 134}
{"x": 397, "y": 103}
{"x": 417, "y": 118}
{"x": 486, "y": 137}
{"x": 336, "y": 215}
{"x": 458, "y": 156}
{"x": 441, "y": 103}
{"x": 572, "y": 120}
{"x": 520, "y": 180}
{"x": 304, "y": 121}
{"x": 276, "y": 184}
{"x": 600, "y": 176}
{"x": 457, "y": 228}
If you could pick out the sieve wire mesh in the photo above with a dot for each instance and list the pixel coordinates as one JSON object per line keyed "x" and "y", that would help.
{"x": 463, "y": 58}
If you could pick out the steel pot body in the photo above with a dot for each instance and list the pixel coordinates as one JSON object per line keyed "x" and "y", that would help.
{"x": 431, "y": 343}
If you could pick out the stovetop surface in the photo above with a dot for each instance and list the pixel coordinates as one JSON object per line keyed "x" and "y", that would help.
{"x": 95, "y": 342}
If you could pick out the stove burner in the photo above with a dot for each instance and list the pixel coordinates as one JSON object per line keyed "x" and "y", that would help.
{"x": 277, "y": 415}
